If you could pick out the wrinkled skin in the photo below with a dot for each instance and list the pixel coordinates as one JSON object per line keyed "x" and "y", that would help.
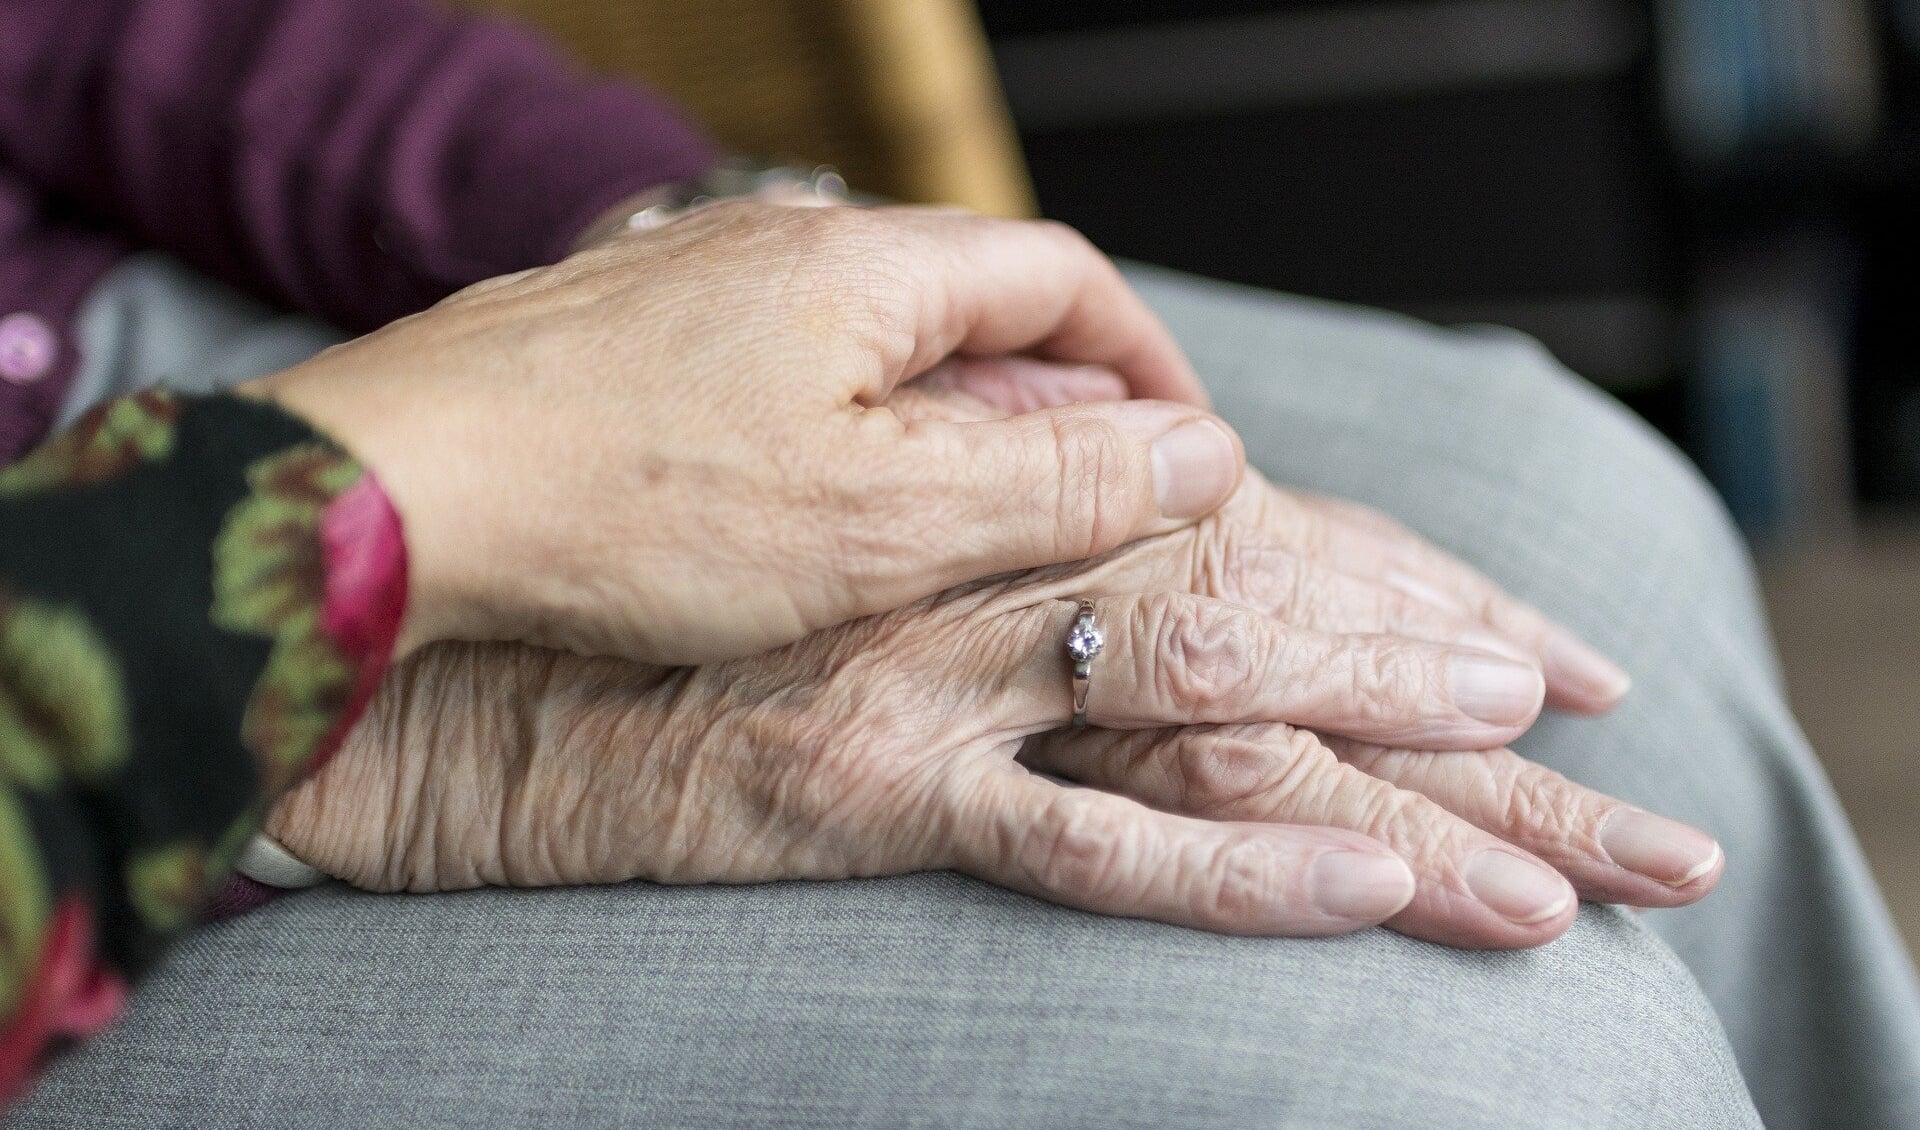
{"x": 672, "y": 447}
{"x": 904, "y": 742}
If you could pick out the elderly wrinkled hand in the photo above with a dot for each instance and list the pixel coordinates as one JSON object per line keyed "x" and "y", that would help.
{"x": 674, "y": 448}
{"x": 898, "y": 743}
{"x": 1312, "y": 561}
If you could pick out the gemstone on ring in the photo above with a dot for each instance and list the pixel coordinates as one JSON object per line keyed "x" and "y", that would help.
{"x": 1084, "y": 641}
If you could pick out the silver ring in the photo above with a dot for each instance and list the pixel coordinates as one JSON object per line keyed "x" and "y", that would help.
{"x": 1085, "y": 641}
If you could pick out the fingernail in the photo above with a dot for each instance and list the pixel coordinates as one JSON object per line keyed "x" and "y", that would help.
{"x": 1194, "y": 467}
{"x": 1497, "y": 691}
{"x": 1569, "y": 659}
{"x": 1661, "y": 849}
{"x": 1362, "y": 885}
{"x": 1518, "y": 890}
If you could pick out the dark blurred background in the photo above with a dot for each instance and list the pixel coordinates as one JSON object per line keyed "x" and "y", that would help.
{"x": 1702, "y": 205}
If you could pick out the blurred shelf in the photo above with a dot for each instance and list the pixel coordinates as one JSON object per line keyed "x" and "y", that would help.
{"x": 1703, "y": 205}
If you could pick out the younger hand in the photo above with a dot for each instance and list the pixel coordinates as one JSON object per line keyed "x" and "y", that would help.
{"x": 673, "y": 447}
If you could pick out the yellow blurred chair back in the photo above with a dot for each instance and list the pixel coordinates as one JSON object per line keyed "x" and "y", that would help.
{"x": 899, "y": 94}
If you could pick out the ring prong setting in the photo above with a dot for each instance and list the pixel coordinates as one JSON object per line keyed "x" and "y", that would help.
{"x": 1084, "y": 641}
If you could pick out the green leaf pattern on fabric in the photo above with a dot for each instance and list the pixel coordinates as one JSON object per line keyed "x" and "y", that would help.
{"x": 131, "y": 780}
{"x": 269, "y": 581}
{"x": 25, "y": 903}
{"x": 104, "y": 444}
{"x": 63, "y": 706}
{"x": 167, "y": 884}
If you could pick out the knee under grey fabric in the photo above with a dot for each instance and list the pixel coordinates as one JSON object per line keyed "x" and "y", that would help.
{"x": 937, "y": 1001}
{"x": 921, "y": 1001}
{"x": 1483, "y": 443}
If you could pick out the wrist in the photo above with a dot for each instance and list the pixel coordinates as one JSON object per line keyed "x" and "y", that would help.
{"x": 618, "y": 219}
{"x": 733, "y": 179}
{"x": 397, "y": 515}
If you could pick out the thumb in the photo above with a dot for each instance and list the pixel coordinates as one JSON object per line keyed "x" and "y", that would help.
{"x": 1063, "y": 484}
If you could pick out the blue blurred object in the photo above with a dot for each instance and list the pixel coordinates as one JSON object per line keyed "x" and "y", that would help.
{"x": 1768, "y": 398}
{"x": 1744, "y": 74}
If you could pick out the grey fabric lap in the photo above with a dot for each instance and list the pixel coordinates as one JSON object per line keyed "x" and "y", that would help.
{"x": 922, "y": 1001}
{"x": 933, "y": 1000}
{"x": 1487, "y": 446}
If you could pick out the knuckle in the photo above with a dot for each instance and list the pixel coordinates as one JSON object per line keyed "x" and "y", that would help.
{"x": 1260, "y": 576}
{"x": 1387, "y": 685}
{"x": 1404, "y": 615}
{"x": 1305, "y": 763}
{"x": 1218, "y": 772}
{"x": 1426, "y": 834}
{"x": 1080, "y": 849}
{"x": 1269, "y": 577}
{"x": 1333, "y": 793}
{"x": 1219, "y": 565}
{"x": 1200, "y": 656}
{"x": 1485, "y": 602}
{"x": 1240, "y": 883}
{"x": 1396, "y": 611}
{"x": 1092, "y": 511}
{"x": 1539, "y": 803}
{"x": 1069, "y": 247}
{"x": 1325, "y": 790}
{"x": 1406, "y": 821}
{"x": 1248, "y": 772}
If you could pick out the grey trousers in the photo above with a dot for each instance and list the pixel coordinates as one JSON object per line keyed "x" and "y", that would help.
{"x": 934, "y": 1000}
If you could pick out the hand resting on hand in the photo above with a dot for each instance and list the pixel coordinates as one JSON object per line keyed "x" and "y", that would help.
{"x": 902, "y": 742}
{"x": 674, "y": 447}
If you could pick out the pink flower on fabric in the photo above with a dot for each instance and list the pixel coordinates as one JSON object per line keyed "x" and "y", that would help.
{"x": 72, "y": 996}
{"x": 363, "y": 552}
{"x": 364, "y": 555}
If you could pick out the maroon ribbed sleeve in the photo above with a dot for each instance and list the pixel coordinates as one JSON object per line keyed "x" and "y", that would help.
{"x": 353, "y": 158}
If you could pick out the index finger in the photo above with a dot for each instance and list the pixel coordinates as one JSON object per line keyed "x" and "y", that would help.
{"x": 984, "y": 286}
{"x": 1365, "y": 543}
{"x": 1110, "y": 855}
{"x": 1171, "y": 659}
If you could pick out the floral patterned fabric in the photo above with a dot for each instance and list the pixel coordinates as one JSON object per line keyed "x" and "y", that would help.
{"x": 197, "y": 598}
